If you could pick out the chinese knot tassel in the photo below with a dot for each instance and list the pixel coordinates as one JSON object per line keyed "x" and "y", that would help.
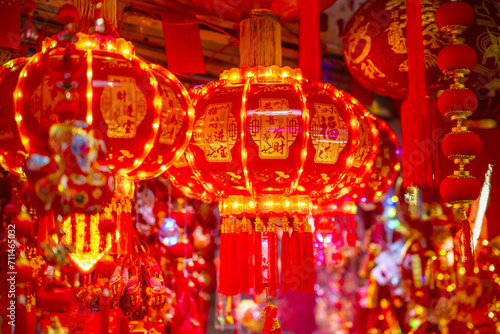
{"x": 223, "y": 280}
{"x": 258, "y": 284}
{"x": 286, "y": 265}
{"x": 243, "y": 262}
{"x": 272, "y": 253}
{"x": 468, "y": 257}
{"x": 307, "y": 259}
{"x": 295, "y": 258}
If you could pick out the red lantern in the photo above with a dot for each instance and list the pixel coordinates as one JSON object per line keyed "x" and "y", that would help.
{"x": 12, "y": 152}
{"x": 299, "y": 138}
{"x": 374, "y": 45}
{"x": 235, "y": 10}
{"x": 55, "y": 297}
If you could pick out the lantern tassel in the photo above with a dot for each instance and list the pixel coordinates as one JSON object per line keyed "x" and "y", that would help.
{"x": 250, "y": 248}
{"x": 258, "y": 284}
{"x": 295, "y": 258}
{"x": 273, "y": 268}
{"x": 285, "y": 256}
{"x": 468, "y": 257}
{"x": 232, "y": 269}
{"x": 307, "y": 259}
{"x": 243, "y": 257}
{"x": 222, "y": 259}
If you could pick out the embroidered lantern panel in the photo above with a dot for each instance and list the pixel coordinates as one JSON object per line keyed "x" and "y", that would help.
{"x": 375, "y": 47}
{"x": 264, "y": 138}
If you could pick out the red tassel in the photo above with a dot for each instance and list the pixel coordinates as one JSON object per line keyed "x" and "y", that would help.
{"x": 258, "y": 283}
{"x": 232, "y": 268}
{"x": 468, "y": 257}
{"x": 295, "y": 278}
{"x": 414, "y": 120}
{"x": 351, "y": 231}
{"x": 286, "y": 265}
{"x": 223, "y": 281}
{"x": 250, "y": 248}
{"x": 308, "y": 268}
{"x": 273, "y": 268}
{"x": 243, "y": 258}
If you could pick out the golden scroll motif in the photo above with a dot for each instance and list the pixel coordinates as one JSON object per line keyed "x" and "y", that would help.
{"x": 329, "y": 133}
{"x": 365, "y": 144}
{"x": 216, "y": 132}
{"x": 123, "y": 107}
{"x": 273, "y": 128}
{"x": 171, "y": 115}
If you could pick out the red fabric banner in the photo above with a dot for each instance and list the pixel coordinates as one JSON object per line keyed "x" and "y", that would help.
{"x": 309, "y": 39}
{"x": 10, "y": 18}
{"x": 182, "y": 43}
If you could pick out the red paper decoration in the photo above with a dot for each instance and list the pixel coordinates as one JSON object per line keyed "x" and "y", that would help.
{"x": 375, "y": 45}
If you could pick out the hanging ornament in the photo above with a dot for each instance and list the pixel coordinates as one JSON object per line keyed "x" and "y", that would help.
{"x": 457, "y": 60}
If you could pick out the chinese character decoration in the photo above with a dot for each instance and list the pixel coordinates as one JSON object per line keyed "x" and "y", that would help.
{"x": 460, "y": 145}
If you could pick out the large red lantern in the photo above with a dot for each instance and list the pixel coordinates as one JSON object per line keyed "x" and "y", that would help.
{"x": 375, "y": 47}
{"x": 141, "y": 112}
{"x": 291, "y": 141}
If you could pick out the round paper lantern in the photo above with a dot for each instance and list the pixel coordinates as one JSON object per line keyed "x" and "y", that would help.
{"x": 12, "y": 152}
{"x": 461, "y": 145}
{"x": 374, "y": 46}
{"x": 95, "y": 79}
{"x": 460, "y": 189}
{"x": 235, "y": 10}
{"x": 268, "y": 141}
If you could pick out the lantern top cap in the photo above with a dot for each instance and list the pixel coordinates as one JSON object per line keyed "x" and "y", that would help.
{"x": 264, "y": 73}
{"x": 94, "y": 42}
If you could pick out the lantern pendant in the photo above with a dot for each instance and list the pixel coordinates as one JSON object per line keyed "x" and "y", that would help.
{"x": 461, "y": 145}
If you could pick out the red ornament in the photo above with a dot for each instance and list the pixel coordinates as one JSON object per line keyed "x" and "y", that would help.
{"x": 459, "y": 145}
{"x": 68, "y": 14}
{"x": 454, "y": 14}
{"x": 460, "y": 189}
{"x": 24, "y": 225}
{"x": 107, "y": 224}
{"x": 375, "y": 46}
{"x": 458, "y": 56}
{"x": 456, "y": 100}
{"x": 24, "y": 272}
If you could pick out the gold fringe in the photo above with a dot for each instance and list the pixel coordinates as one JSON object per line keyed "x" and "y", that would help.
{"x": 260, "y": 40}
